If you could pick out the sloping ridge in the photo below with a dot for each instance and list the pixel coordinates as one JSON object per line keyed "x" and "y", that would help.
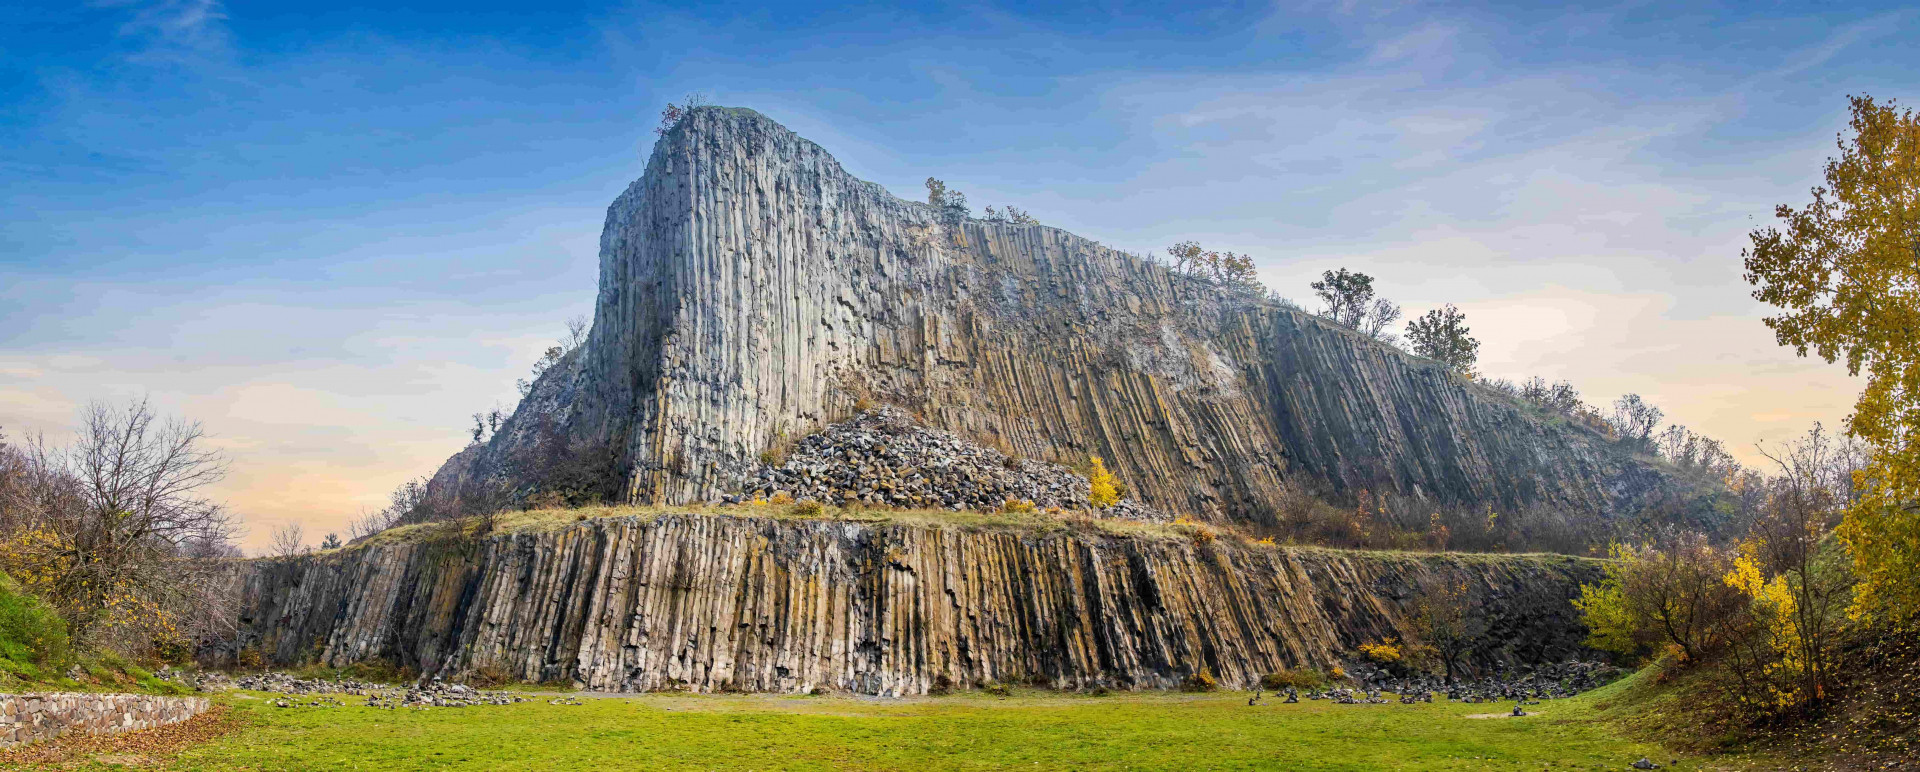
{"x": 751, "y": 290}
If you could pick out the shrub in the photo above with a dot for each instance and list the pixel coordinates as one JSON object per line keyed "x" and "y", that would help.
{"x": 1387, "y": 652}
{"x": 489, "y": 676}
{"x": 1199, "y": 532}
{"x": 780, "y": 498}
{"x": 808, "y": 508}
{"x": 31, "y": 632}
{"x": 1017, "y": 507}
{"x": 777, "y": 452}
{"x": 1200, "y": 681}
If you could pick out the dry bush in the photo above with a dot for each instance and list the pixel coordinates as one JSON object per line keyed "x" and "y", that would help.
{"x": 1201, "y": 680}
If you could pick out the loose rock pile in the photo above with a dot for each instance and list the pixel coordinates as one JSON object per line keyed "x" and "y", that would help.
{"x": 199, "y": 681}
{"x": 881, "y": 458}
{"x": 432, "y": 694}
{"x": 1526, "y": 686}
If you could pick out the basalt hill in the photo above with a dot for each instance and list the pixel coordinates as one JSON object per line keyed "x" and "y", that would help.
{"x": 752, "y": 294}
{"x": 751, "y": 291}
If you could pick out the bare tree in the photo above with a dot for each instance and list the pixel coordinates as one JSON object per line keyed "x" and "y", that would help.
{"x": 368, "y": 524}
{"x": 113, "y": 525}
{"x": 1633, "y": 421}
{"x": 288, "y": 541}
{"x": 576, "y": 333}
{"x": 1803, "y": 504}
{"x": 1446, "y": 620}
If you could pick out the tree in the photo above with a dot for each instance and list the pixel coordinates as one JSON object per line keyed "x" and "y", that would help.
{"x": 950, "y": 204}
{"x": 1447, "y": 622}
{"x": 288, "y": 540}
{"x": 672, "y": 114}
{"x": 1671, "y": 593}
{"x": 1102, "y": 492}
{"x": 109, "y": 528}
{"x": 1442, "y": 334}
{"x": 1797, "y": 590}
{"x": 1846, "y": 271}
{"x": 1012, "y": 215}
{"x": 1347, "y": 297}
{"x": 1234, "y": 270}
{"x": 1633, "y": 421}
{"x": 577, "y": 328}
{"x": 1560, "y": 397}
{"x": 332, "y": 542}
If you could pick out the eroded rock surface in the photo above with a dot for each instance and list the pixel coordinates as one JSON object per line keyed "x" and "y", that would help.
{"x": 751, "y": 289}
{"x": 722, "y": 603}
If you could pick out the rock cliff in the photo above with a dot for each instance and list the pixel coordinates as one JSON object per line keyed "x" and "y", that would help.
{"x": 752, "y": 291}
{"x": 754, "y": 604}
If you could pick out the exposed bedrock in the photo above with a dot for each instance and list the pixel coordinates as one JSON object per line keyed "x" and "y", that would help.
{"x": 721, "y": 603}
{"x": 751, "y": 290}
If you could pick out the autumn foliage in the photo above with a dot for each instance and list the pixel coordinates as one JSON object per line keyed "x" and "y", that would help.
{"x": 1845, "y": 269}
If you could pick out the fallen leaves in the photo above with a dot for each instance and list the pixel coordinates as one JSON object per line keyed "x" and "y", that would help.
{"x": 147, "y": 748}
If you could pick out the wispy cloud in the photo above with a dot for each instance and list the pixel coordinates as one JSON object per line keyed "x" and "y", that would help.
{"x": 172, "y": 30}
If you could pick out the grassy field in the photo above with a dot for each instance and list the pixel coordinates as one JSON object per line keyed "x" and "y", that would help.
{"x": 972, "y": 731}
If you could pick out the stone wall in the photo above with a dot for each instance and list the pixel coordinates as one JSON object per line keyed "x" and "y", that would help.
{"x": 26, "y": 718}
{"x": 751, "y": 290}
{"x": 748, "y": 604}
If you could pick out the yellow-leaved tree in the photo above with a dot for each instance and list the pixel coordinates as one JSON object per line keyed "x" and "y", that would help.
{"x": 1103, "y": 493}
{"x": 1846, "y": 271}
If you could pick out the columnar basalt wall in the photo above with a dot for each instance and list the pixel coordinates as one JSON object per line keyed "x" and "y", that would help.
{"x": 28, "y": 718}
{"x": 751, "y": 289}
{"x": 744, "y": 604}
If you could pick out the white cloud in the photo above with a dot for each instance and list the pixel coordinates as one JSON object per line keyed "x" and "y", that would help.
{"x": 172, "y": 30}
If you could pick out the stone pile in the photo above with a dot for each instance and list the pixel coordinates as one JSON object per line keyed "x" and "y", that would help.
{"x": 430, "y": 694}
{"x": 199, "y": 681}
{"x": 26, "y": 718}
{"x": 1529, "y": 686}
{"x": 882, "y": 459}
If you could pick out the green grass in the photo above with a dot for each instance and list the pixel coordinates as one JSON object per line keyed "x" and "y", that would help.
{"x": 969, "y": 731}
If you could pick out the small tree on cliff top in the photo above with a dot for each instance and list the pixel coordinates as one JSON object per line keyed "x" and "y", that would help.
{"x": 1442, "y": 334}
{"x": 1347, "y": 297}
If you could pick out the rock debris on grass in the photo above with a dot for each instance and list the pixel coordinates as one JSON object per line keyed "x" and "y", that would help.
{"x": 319, "y": 691}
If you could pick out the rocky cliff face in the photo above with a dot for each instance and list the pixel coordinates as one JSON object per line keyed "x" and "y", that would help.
{"x": 751, "y": 290}
{"x": 744, "y": 604}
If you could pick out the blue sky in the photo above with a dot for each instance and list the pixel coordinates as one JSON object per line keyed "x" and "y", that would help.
{"x": 331, "y": 231}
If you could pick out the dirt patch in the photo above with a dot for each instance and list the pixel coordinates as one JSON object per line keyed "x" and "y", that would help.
{"x": 143, "y": 749}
